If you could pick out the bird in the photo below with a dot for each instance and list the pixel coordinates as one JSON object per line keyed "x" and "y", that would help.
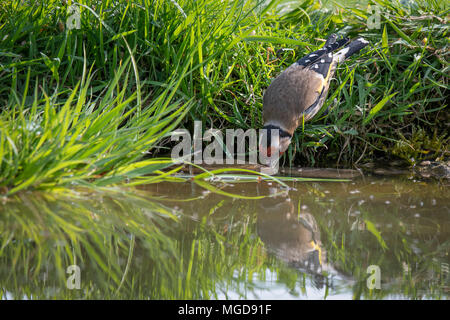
{"x": 298, "y": 93}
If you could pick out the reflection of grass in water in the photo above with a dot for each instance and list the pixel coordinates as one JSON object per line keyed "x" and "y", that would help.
{"x": 166, "y": 255}
{"x": 131, "y": 246}
{"x": 41, "y": 237}
{"x": 164, "y": 258}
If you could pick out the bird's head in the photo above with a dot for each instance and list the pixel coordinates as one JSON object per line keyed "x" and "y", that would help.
{"x": 273, "y": 144}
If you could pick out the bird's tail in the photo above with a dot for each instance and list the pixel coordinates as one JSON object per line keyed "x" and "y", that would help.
{"x": 350, "y": 49}
{"x": 334, "y": 43}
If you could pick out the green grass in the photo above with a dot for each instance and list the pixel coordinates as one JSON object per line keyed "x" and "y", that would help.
{"x": 96, "y": 105}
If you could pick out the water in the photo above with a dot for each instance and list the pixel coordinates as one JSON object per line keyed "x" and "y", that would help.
{"x": 181, "y": 241}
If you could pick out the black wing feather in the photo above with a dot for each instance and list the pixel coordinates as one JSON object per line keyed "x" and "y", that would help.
{"x": 330, "y": 45}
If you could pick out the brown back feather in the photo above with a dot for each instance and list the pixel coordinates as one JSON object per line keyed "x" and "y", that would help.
{"x": 291, "y": 93}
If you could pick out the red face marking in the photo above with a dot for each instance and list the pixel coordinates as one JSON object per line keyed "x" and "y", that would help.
{"x": 268, "y": 151}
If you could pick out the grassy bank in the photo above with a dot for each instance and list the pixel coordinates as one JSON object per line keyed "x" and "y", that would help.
{"x": 96, "y": 104}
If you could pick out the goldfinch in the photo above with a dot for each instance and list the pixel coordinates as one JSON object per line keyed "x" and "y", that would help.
{"x": 300, "y": 91}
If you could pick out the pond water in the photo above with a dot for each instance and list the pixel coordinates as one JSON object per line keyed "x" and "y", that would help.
{"x": 365, "y": 238}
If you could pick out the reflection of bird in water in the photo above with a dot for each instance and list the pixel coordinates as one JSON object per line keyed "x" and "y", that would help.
{"x": 293, "y": 238}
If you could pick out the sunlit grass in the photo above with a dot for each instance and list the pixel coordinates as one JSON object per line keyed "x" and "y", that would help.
{"x": 96, "y": 105}
{"x": 85, "y": 139}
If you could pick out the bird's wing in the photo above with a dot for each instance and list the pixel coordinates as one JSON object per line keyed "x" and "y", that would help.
{"x": 300, "y": 90}
{"x": 330, "y": 45}
{"x": 319, "y": 66}
{"x": 295, "y": 93}
{"x": 322, "y": 69}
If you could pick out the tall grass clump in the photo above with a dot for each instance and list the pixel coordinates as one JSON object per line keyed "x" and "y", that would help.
{"x": 90, "y": 105}
{"x": 83, "y": 139}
